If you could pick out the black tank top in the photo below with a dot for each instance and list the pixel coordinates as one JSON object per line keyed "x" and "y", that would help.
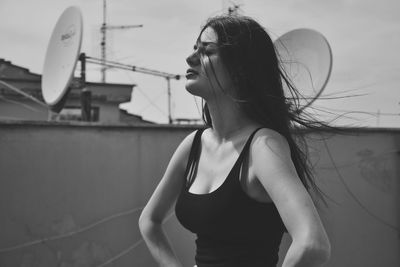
{"x": 232, "y": 228}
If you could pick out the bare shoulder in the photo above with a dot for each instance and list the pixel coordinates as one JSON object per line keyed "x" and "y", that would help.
{"x": 270, "y": 141}
{"x": 271, "y": 161}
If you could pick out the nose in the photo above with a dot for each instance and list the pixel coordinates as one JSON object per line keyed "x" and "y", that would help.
{"x": 193, "y": 59}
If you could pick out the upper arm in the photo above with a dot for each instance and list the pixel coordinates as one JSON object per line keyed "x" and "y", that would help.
{"x": 275, "y": 170}
{"x": 167, "y": 191}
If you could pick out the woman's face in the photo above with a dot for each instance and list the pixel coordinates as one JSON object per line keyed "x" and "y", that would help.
{"x": 207, "y": 76}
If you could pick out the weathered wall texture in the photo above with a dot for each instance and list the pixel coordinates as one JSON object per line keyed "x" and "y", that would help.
{"x": 70, "y": 195}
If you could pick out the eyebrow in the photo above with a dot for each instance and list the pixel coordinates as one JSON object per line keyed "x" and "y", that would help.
{"x": 204, "y": 43}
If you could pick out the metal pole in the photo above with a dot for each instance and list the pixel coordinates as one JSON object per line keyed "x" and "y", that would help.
{"x": 86, "y": 95}
{"x": 82, "y": 58}
{"x": 103, "y": 31}
{"x": 169, "y": 100}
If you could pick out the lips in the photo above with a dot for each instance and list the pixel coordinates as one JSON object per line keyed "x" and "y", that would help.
{"x": 191, "y": 72}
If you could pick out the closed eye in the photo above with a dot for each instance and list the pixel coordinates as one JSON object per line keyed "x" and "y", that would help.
{"x": 207, "y": 48}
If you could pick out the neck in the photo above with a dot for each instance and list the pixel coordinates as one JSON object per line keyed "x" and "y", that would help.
{"x": 228, "y": 121}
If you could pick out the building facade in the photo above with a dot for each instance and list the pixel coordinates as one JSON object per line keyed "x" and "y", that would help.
{"x": 105, "y": 99}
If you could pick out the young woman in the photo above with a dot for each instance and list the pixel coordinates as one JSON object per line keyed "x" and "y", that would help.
{"x": 243, "y": 181}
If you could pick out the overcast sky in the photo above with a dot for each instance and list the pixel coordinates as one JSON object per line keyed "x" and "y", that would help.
{"x": 364, "y": 36}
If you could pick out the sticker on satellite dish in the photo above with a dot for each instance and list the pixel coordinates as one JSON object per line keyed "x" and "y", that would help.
{"x": 61, "y": 57}
{"x": 68, "y": 37}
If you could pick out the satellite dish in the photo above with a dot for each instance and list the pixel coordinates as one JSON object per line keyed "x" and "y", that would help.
{"x": 306, "y": 57}
{"x": 61, "y": 57}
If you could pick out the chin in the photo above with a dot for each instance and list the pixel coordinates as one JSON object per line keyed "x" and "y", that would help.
{"x": 198, "y": 88}
{"x": 192, "y": 88}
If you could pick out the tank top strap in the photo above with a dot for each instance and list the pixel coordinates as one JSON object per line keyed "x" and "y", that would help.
{"x": 193, "y": 155}
{"x": 246, "y": 146}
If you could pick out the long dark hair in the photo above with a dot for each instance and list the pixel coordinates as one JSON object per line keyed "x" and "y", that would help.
{"x": 249, "y": 55}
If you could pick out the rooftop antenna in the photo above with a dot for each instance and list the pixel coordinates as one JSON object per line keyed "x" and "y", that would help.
{"x": 167, "y": 76}
{"x": 103, "y": 29}
{"x": 232, "y": 7}
{"x": 232, "y": 10}
{"x": 62, "y": 55}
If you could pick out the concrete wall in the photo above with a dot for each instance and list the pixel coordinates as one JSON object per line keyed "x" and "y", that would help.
{"x": 71, "y": 194}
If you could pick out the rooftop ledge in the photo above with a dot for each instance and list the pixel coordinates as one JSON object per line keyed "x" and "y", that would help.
{"x": 21, "y": 123}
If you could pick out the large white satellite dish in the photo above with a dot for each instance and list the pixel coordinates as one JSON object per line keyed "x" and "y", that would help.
{"x": 61, "y": 57}
{"x": 306, "y": 57}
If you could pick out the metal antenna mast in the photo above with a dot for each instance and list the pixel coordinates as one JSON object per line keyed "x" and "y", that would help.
{"x": 167, "y": 76}
{"x": 233, "y": 8}
{"x": 103, "y": 30}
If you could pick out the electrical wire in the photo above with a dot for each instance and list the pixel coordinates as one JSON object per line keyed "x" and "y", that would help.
{"x": 365, "y": 112}
{"x": 15, "y": 89}
{"x": 71, "y": 233}
{"x": 146, "y": 96}
{"x": 353, "y": 196}
{"x": 153, "y": 100}
{"x": 121, "y": 254}
{"x": 128, "y": 249}
{"x": 18, "y": 103}
{"x": 83, "y": 229}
